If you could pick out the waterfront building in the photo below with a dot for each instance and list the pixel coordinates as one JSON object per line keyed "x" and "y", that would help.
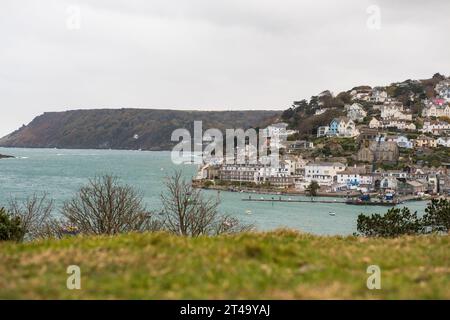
{"x": 325, "y": 173}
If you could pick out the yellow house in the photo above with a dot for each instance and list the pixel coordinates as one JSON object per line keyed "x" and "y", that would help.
{"x": 425, "y": 141}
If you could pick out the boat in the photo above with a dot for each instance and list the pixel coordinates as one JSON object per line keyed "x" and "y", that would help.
{"x": 332, "y": 213}
{"x": 248, "y": 211}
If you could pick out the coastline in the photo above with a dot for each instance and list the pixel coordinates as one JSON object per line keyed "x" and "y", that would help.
{"x": 287, "y": 192}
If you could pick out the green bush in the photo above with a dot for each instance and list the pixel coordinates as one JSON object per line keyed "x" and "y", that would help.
{"x": 10, "y": 228}
{"x": 397, "y": 222}
{"x": 437, "y": 216}
{"x": 394, "y": 223}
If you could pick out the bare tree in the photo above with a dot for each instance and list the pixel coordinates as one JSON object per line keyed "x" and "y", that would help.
{"x": 104, "y": 206}
{"x": 34, "y": 214}
{"x": 188, "y": 213}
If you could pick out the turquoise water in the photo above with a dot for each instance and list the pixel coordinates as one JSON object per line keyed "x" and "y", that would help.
{"x": 61, "y": 172}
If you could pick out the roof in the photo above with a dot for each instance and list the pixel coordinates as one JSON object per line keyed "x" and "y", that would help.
{"x": 341, "y": 119}
{"x": 414, "y": 183}
{"x": 326, "y": 164}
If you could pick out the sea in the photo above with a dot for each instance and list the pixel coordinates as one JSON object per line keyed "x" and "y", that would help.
{"x": 60, "y": 173}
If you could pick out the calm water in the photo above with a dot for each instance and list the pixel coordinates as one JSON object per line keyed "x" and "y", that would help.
{"x": 61, "y": 172}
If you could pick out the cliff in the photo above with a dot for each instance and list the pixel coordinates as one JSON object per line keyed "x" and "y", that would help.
{"x": 147, "y": 129}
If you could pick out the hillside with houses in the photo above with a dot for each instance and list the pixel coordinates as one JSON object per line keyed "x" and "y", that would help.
{"x": 386, "y": 140}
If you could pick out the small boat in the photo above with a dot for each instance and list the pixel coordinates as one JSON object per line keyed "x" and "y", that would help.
{"x": 332, "y": 213}
{"x": 248, "y": 211}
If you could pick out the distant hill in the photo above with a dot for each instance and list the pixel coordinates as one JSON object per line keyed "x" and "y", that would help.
{"x": 147, "y": 129}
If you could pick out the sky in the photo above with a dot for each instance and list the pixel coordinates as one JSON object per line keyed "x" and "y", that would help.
{"x": 59, "y": 55}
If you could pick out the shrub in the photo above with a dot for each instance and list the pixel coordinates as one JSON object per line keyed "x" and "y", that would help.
{"x": 186, "y": 212}
{"x": 10, "y": 227}
{"x": 34, "y": 214}
{"x": 104, "y": 206}
{"x": 394, "y": 223}
{"x": 437, "y": 216}
{"x": 397, "y": 222}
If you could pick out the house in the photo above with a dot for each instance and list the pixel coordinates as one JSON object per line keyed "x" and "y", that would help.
{"x": 436, "y": 108}
{"x": 394, "y": 110}
{"x": 351, "y": 177}
{"x": 410, "y": 187}
{"x": 367, "y": 134}
{"x": 443, "y": 90}
{"x": 425, "y": 141}
{"x": 322, "y": 131}
{"x": 343, "y": 127}
{"x": 378, "y": 151}
{"x": 443, "y": 141}
{"x": 276, "y": 134}
{"x": 325, "y": 173}
{"x": 389, "y": 183}
{"x": 435, "y": 127}
{"x": 404, "y": 142}
{"x": 293, "y": 146}
{"x": 355, "y": 112}
{"x": 239, "y": 172}
{"x": 399, "y": 124}
{"x": 375, "y": 123}
{"x": 276, "y": 129}
{"x": 379, "y": 95}
{"x": 362, "y": 93}
{"x": 319, "y": 111}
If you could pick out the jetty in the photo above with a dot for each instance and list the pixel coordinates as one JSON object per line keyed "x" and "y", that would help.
{"x": 291, "y": 200}
{"x": 348, "y": 201}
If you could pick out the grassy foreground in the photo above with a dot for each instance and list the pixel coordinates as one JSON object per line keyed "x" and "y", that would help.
{"x": 277, "y": 265}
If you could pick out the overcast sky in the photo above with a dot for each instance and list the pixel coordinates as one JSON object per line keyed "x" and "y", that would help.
{"x": 208, "y": 54}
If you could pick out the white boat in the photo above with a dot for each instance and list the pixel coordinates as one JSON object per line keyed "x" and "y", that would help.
{"x": 332, "y": 213}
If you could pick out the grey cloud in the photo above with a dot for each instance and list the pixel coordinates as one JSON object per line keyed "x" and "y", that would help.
{"x": 204, "y": 54}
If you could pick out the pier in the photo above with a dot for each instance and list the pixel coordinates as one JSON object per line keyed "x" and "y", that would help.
{"x": 348, "y": 201}
{"x": 291, "y": 200}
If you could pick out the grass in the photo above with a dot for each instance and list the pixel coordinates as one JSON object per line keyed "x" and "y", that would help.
{"x": 276, "y": 265}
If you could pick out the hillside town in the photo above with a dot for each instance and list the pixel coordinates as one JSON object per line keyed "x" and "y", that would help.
{"x": 391, "y": 140}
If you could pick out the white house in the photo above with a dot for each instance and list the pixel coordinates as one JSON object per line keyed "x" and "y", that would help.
{"x": 389, "y": 183}
{"x": 343, "y": 127}
{"x": 443, "y": 89}
{"x": 404, "y": 142}
{"x": 379, "y": 95}
{"x": 319, "y": 111}
{"x": 276, "y": 129}
{"x": 394, "y": 110}
{"x": 435, "y": 127}
{"x": 436, "y": 108}
{"x": 355, "y": 112}
{"x": 352, "y": 177}
{"x": 325, "y": 173}
{"x": 322, "y": 131}
{"x": 375, "y": 123}
{"x": 444, "y": 141}
{"x": 361, "y": 93}
{"x": 399, "y": 124}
